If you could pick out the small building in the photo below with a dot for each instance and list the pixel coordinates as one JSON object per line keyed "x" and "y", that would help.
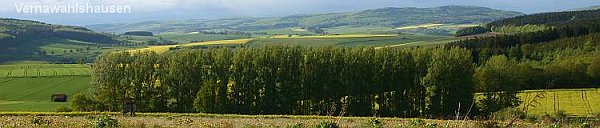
{"x": 59, "y": 98}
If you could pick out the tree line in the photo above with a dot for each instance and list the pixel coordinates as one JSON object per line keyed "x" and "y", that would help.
{"x": 409, "y": 82}
{"x": 287, "y": 80}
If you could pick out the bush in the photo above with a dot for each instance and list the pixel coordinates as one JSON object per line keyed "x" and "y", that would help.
{"x": 84, "y": 103}
{"x": 106, "y": 122}
{"x": 64, "y": 109}
{"x": 327, "y": 124}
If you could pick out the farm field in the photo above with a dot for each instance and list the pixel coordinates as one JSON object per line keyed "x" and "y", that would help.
{"x": 355, "y": 40}
{"x": 575, "y": 102}
{"x": 161, "y": 49}
{"x": 219, "y": 42}
{"x": 195, "y": 37}
{"x": 335, "y": 36}
{"x": 433, "y": 25}
{"x": 44, "y": 70}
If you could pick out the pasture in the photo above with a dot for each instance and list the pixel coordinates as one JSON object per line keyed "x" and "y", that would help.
{"x": 28, "y": 87}
{"x": 33, "y": 94}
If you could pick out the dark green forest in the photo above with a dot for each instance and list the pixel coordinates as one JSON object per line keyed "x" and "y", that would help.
{"x": 562, "y": 53}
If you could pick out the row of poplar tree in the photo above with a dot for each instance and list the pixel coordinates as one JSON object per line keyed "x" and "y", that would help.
{"x": 287, "y": 80}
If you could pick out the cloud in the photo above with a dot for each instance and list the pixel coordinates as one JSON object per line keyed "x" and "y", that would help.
{"x": 211, "y": 9}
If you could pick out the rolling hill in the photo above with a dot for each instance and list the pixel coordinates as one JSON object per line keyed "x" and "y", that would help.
{"x": 595, "y": 7}
{"x": 33, "y": 40}
{"x": 390, "y": 17}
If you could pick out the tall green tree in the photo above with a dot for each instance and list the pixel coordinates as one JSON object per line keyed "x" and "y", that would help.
{"x": 499, "y": 82}
{"x": 449, "y": 82}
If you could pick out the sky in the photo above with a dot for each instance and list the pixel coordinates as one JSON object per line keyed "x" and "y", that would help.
{"x": 149, "y": 10}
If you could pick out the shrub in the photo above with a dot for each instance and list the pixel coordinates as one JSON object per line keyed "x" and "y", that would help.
{"x": 375, "y": 123}
{"x": 106, "y": 122}
{"x": 64, "y": 109}
{"x": 327, "y": 124}
{"x": 84, "y": 103}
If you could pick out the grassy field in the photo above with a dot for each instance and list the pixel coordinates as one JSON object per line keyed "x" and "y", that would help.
{"x": 28, "y": 87}
{"x": 33, "y": 94}
{"x": 575, "y": 102}
{"x": 44, "y": 70}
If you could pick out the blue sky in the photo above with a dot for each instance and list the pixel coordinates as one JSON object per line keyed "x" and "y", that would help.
{"x": 146, "y": 10}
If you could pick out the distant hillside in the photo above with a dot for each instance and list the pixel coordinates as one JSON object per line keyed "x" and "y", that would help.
{"x": 24, "y": 39}
{"x": 556, "y": 19}
{"x": 595, "y": 7}
{"x": 384, "y": 17}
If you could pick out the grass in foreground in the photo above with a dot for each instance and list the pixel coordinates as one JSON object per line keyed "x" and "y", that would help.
{"x": 92, "y": 119}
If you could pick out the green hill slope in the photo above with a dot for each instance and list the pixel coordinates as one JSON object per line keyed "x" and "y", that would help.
{"x": 32, "y": 40}
{"x": 383, "y": 17}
